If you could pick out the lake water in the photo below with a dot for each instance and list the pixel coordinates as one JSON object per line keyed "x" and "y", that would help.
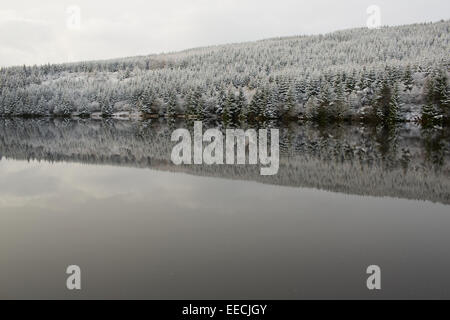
{"x": 104, "y": 195}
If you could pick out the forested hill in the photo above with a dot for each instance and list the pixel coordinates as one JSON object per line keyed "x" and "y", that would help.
{"x": 388, "y": 74}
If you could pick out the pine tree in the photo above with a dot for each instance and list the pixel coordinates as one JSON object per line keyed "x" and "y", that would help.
{"x": 232, "y": 107}
{"x": 350, "y": 83}
{"x": 83, "y": 109}
{"x": 106, "y": 106}
{"x": 253, "y": 108}
{"x": 324, "y": 102}
{"x": 172, "y": 105}
{"x": 311, "y": 108}
{"x": 429, "y": 116}
{"x": 199, "y": 105}
{"x": 147, "y": 101}
{"x": 242, "y": 106}
{"x": 339, "y": 105}
{"x": 241, "y": 100}
{"x": 226, "y": 116}
{"x": 65, "y": 107}
{"x": 387, "y": 103}
{"x": 289, "y": 105}
{"x": 407, "y": 79}
{"x": 262, "y": 102}
{"x": 429, "y": 90}
{"x": 382, "y": 101}
{"x": 190, "y": 106}
{"x": 394, "y": 105}
{"x": 441, "y": 94}
{"x": 271, "y": 107}
{"x": 283, "y": 90}
{"x": 134, "y": 98}
{"x": 221, "y": 100}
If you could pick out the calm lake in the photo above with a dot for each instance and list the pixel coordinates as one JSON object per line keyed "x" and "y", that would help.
{"x": 104, "y": 195}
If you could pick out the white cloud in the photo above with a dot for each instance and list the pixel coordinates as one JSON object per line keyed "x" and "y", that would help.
{"x": 35, "y": 32}
{"x": 14, "y": 16}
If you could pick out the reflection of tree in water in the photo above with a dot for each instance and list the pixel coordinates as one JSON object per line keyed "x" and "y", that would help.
{"x": 435, "y": 148}
{"x": 386, "y": 139}
{"x": 405, "y": 159}
{"x": 287, "y": 138}
{"x": 343, "y": 158}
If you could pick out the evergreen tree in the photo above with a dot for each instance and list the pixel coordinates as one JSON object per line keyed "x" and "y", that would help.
{"x": 199, "y": 105}
{"x": 171, "y": 105}
{"x": 283, "y": 90}
{"x": 253, "y": 108}
{"x": 221, "y": 100}
{"x": 242, "y": 106}
{"x": 407, "y": 79}
{"x": 325, "y": 102}
{"x": 429, "y": 116}
{"x": 226, "y": 115}
{"x": 271, "y": 108}
{"x": 232, "y": 107}
{"x": 441, "y": 94}
{"x": 241, "y": 100}
{"x": 83, "y": 109}
{"x": 394, "y": 106}
{"x": 350, "y": 83}
{"x": 106, "y": 106}
{"x": 289, "y": 105}
{"x": 262, "y": 102}
{"x": 190, "y": 106}
{"x": 387, "y": 104}
{"x": 147, "y": 101}
{"x": 339, "y": 105}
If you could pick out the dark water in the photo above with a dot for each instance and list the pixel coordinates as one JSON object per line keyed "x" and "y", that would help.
{"x": 104, "y": 195}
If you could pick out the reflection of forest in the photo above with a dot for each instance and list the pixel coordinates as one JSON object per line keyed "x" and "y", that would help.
{"x": 404, "y": 161}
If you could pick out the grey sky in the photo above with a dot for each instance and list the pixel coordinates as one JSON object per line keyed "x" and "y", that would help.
{"x": 36, "y": 32}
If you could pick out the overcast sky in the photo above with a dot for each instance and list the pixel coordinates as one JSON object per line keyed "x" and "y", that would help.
{"x": 37, "y": 32}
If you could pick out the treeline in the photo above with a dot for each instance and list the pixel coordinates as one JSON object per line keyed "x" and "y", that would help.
{"x": 386, "y": 75}
{"x": 368, "y": 96}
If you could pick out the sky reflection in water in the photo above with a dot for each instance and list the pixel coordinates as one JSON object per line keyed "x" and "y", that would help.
{"x": 141, "y": 233}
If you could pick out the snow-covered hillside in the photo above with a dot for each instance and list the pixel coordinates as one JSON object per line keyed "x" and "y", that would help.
{"x": 385, "y": 74}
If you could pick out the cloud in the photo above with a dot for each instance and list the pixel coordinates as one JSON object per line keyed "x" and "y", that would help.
{"x": 36, "y": 32}
{"x": 13, "y": 16}
{"x": 23, "y": 39}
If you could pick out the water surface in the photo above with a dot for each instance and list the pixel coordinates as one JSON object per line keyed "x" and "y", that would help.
{"x": 104, "y": 196}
